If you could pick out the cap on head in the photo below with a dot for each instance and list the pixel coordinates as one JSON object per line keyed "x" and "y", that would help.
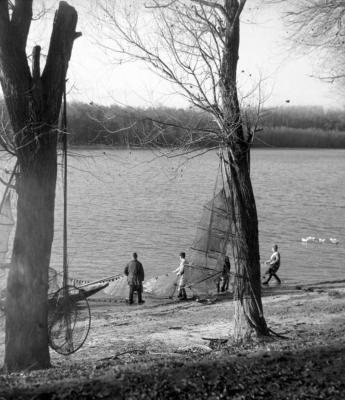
{"x": 135, "y": 256}
{"x": 183, "y": 255}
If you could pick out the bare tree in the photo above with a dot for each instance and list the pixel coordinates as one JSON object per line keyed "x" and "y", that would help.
{"x": 33, "y": 101}
{"x": 194, "y": 44}
{"x": 318, "y": 26}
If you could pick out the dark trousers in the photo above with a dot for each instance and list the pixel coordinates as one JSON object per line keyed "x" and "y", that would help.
{"x": 269, "y": 273}
{"x": 138, "y": 289}
{"x": 225, "y": 285}
{"x": 182, "y": 294}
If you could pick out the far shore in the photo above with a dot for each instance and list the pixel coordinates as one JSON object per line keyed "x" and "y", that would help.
{"x": 135, "y": 147}
{"x": 154, "y": 341}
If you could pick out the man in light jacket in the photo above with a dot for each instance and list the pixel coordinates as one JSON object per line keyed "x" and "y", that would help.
{"x": 274, "y": 264}
{"x": 180, "y": 273}
{"x": 135, "y": 277}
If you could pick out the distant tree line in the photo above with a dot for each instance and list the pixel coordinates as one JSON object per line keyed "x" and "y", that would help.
{"x": 304, "y": 117}
{"x": 288, "y": 126}
{"x": 281, "y": 136}
{"x": 119, "y": 126}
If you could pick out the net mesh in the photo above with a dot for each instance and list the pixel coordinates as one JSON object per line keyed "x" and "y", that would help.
{"x": 162, "y": 285}
{"x": 6, "y": 225}
{"x": 206, "y": 256}
{"x": 53, "y": 281}
{"x": 118, "y": 289}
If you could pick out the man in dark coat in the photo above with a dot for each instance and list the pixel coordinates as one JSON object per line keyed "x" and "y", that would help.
{"x": 226, "y": 274}
{"x": 135, "y": 276}
{"x": 225, "y": 277}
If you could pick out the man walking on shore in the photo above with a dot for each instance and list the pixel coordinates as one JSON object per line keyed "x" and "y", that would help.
{"x": 274, "y": 264}
{"x": 135, "y": 277}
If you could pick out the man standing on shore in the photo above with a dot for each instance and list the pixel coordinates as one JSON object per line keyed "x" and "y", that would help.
{"x": 226, "y": 274}
{"x": 135, "y": 277}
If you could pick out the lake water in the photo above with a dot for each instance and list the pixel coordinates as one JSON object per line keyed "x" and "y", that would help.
{"x": 122, "y": 201}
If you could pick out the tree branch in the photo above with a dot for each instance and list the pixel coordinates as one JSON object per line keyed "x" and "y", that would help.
{"x": 15, "y": 74}
{"x": 212, "y": 4}
{"x": 21, "y": 21}
{"x": 7, "y": 184}
{"x": 59, "y": 54}
{"x": 167, "y": 5}
{"x": 4, "y": 19}
{"x": 36, "y": 70}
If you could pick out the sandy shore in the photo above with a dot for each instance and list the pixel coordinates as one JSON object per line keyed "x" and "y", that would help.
{"x": 164, "y": 336}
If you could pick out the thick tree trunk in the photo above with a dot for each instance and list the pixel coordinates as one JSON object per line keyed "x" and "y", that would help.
{"x": 247, "y": 296}
{"x": 248, "y": 306}
{"x": 26, "y": 303}
{"x": 33, "y": 102}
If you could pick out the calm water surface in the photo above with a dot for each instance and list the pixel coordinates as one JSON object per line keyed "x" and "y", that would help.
{"x": 122, "y": 201}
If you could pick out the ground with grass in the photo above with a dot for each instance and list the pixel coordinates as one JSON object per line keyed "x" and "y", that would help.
{"x": 158, "y": 351}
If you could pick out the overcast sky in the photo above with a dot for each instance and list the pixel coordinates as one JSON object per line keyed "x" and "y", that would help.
{"x": 263, "y": 50}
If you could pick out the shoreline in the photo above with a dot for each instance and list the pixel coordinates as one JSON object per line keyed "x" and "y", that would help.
{"x": 134, "y": 147}
{"x": 162, "y": 336}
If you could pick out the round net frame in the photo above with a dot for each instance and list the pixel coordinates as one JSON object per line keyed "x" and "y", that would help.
{"x": 69, "y": 320}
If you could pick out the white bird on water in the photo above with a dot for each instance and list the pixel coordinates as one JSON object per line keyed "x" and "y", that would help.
{"x": 308, "y": 239}
{"x": 312, "y": 239}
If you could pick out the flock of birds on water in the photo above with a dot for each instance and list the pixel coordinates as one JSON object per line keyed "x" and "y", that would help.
{"x": 312, "y": 239}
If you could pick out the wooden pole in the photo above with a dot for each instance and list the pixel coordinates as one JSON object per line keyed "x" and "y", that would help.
{"x": 64, "y": 154}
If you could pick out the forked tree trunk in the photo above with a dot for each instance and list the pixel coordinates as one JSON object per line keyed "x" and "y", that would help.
{"x": 248, "y": 306}
{"x": 33, "y": 102}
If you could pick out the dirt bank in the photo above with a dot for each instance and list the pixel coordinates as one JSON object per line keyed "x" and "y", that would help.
{"x": 158, "y": 351}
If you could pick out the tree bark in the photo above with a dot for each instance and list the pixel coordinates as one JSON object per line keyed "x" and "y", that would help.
{"x": 247, "y": 289}
{"x": 33, "y": 102}
{"x": 26, "y": 302}
{"x": 245, "y": 240}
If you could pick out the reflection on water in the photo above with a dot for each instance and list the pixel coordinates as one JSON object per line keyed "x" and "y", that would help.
{"x": 122, "y": 201}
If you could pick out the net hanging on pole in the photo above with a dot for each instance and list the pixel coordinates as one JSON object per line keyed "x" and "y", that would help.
{"x": 207, "y": 253}
{"x": 69, "y": 316}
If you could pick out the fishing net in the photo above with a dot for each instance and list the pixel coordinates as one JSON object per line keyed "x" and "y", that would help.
{"x": 118, "y": 288}
{"x": 6, "y": 225}
{"x": 53, "y": 281}
{"x": 163, "y": 286}
{"x": 206, "y": 255}
{"x": 69, "y": 320}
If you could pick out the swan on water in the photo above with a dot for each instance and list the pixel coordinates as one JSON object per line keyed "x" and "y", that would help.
{"x": 312, "y": 239}
{"x": 308, "y": 239}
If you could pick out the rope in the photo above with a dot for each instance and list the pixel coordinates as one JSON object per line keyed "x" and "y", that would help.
{"x": 211, "y": 219}
{"x": 64, "y": 166}
{"x": 189, "y": 285}
{"x": 85, "y": 282}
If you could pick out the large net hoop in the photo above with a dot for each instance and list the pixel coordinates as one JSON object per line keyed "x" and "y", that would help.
{"x": 69, "y": 320}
